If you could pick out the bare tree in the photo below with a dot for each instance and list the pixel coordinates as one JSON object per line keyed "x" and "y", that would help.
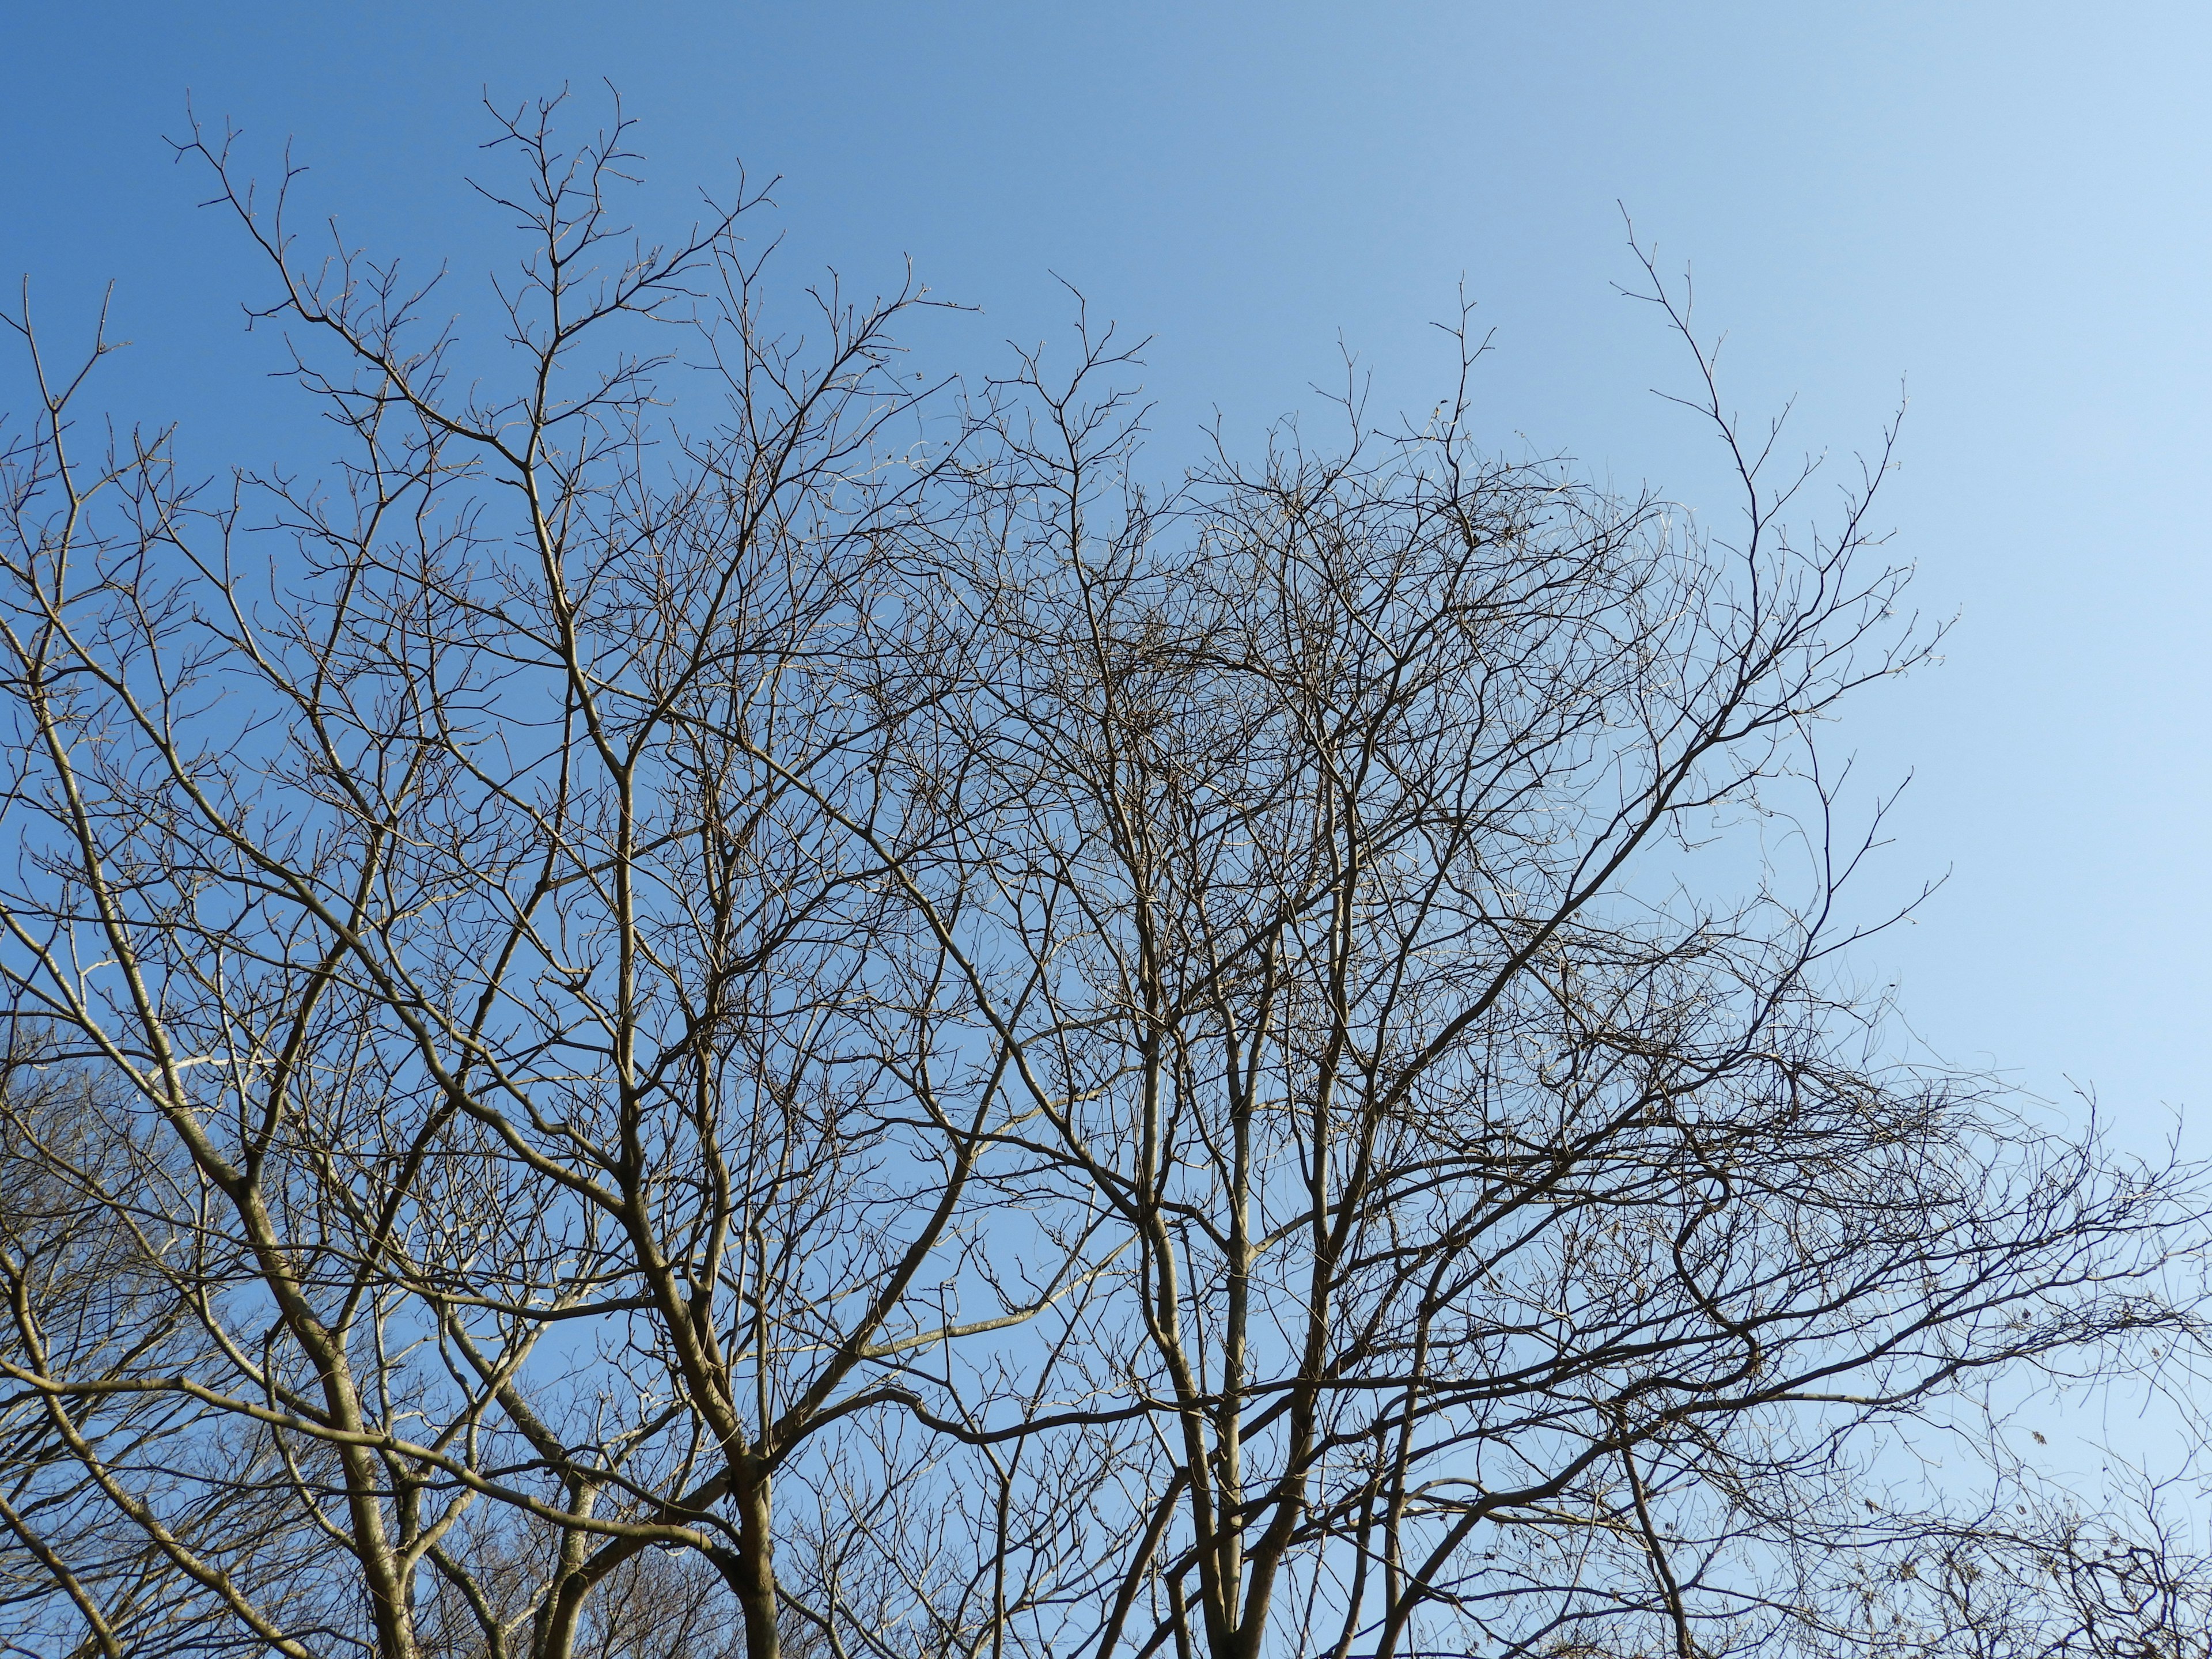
{"x": 1526, "y": 1252}
{"x": 828, "y": 1024}
{"x": 542, "y": 1115}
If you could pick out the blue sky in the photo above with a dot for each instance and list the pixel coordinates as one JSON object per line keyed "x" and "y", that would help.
{"x": 2006, "y": 207}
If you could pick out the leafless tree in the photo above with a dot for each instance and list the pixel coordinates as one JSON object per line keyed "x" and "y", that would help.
{"x": 1526, "y": 1250}
{"x": 546, "y": 1123}
{"x": 826, "y": 1024}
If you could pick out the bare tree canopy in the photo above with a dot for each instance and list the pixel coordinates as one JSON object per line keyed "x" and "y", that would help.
{"x": 710, "y": 997}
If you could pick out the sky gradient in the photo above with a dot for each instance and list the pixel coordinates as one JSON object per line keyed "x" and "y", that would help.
{"x": 2001, "y": 209}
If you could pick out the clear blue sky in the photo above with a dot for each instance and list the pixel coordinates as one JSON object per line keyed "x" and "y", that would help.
{"x": 2007, "y": 204}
